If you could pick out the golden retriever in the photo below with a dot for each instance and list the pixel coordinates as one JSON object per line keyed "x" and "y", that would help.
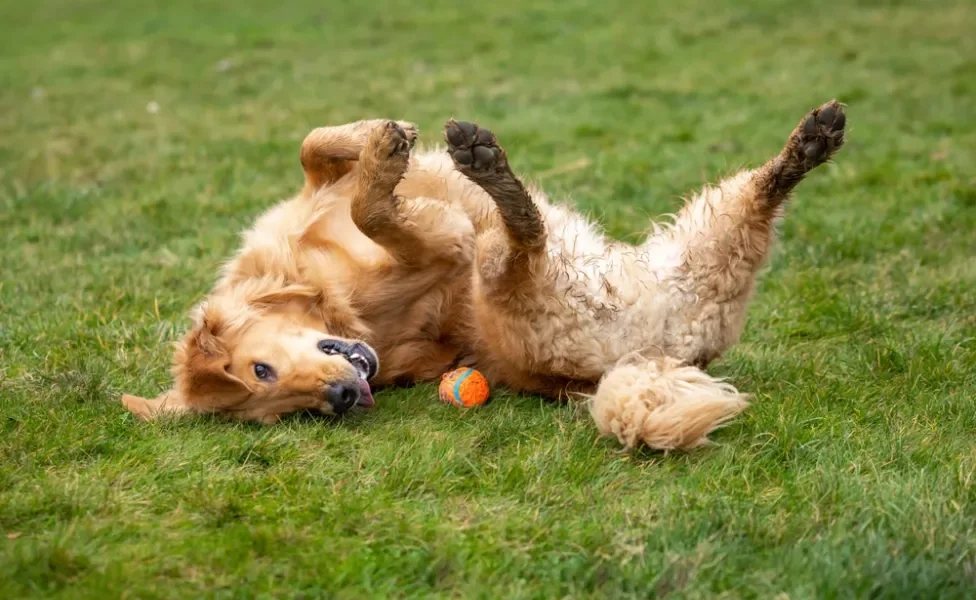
{"x": 391, "y": 267}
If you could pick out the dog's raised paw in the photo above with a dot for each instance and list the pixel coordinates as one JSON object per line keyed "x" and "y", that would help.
{"x": 387, "y": 152}
{"x": 819, "y": 136}
{"x": 395, "y": 140}
{"x": 409, "y": 132}
{"x": 472, "y": 148}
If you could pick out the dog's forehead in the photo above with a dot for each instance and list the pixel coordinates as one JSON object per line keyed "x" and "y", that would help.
{"x": 275, "y": 342}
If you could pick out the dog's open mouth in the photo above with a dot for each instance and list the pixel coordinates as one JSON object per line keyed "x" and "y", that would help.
{"x": 363, "y": 359}
{"x": 361, "y": 363}
{"x": 367, "y": 365}
{"x": 365, "y": 370}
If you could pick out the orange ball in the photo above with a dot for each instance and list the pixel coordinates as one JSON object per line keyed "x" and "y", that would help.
{"x": 464, "y": 387}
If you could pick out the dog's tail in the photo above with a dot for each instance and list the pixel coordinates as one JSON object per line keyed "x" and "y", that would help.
{"x": 663, "y": 404}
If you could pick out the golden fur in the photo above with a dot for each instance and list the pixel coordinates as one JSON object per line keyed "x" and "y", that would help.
{"x": 433, "y": 259}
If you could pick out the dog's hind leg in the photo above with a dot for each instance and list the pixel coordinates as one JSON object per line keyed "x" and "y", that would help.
{"x": 719, "y": 240}
{"x": 728, "y": 226}
{"x": 723, "y": 234}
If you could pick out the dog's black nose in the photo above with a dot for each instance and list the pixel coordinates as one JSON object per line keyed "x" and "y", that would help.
{"x": 342, "y": 396}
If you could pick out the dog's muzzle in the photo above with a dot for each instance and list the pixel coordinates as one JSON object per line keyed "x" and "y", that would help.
{"x": 344, "y": 395}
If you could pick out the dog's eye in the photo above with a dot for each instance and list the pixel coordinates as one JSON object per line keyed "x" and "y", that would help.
{"x": 263, "y": 371}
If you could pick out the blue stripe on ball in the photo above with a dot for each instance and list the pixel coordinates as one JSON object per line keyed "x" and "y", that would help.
{"x": 457, "y": 387}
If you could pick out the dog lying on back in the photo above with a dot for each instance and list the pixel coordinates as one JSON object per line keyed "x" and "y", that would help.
{"x": 390, "y": 268}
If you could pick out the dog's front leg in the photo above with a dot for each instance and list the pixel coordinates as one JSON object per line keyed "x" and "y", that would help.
{"x": 511, "y": 254}
{"x": 417, "y": 232}
{"x": 375, "y": 206}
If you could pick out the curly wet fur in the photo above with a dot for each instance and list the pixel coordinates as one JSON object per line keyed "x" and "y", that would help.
{"x": 440, "y": 258}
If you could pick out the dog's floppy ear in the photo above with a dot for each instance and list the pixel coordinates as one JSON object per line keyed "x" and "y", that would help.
{"x": 202, "y": 361}
{"x": 169, "y": 402}
{"x": 200, "y": 368}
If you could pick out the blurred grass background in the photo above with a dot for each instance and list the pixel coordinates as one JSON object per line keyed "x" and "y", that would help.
{"x": 138, "y": 139}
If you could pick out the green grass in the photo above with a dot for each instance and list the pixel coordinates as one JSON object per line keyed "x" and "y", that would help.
{"x": 851, "y": 476}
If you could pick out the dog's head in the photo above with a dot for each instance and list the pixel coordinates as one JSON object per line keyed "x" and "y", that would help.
{"x": 262, "y": 355}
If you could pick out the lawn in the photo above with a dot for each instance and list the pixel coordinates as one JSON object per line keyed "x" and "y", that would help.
{"x": 138, "y": 139}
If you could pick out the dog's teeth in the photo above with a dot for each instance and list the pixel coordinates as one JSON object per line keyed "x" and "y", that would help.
{"x": 362, "y": 365}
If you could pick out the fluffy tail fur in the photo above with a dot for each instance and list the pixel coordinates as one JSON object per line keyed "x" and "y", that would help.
{"x": 662, "y": 404}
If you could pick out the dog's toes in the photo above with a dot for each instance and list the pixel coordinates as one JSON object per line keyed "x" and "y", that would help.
{"x": 409, "y": 132}
{"x": 485, "y": 156}
{"x": 818, "y": 137}
{"x": 462, "y": 157}
{"x": 460, "y": 134}
{"x": 473, "y": 148}
{"x": 395, "y": 140}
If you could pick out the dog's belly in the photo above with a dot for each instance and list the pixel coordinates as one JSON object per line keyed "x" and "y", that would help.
{"x": 604, "y": 300}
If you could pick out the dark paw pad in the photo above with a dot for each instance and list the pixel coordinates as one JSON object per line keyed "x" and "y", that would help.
{"x": 472, "y": 147}
{"x": 460, "y": 133}
{"x": 820, "y": 135}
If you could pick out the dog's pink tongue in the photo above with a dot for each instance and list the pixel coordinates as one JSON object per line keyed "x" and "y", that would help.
{"x": 365, "y": 395}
